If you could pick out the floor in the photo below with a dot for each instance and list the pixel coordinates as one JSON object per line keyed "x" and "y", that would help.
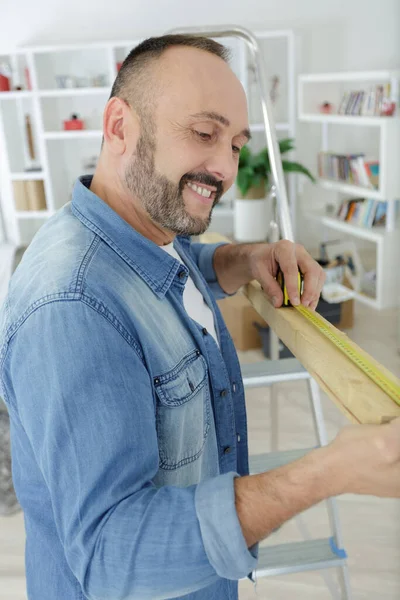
{"x": 370, "y": 526}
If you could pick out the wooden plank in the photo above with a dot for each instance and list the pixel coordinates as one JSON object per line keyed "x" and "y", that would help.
{"x": 357, "y": 396}
{"x": 361, "y": 400}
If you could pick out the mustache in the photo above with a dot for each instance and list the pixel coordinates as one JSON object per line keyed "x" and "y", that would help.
{"x": 205, "y": 178}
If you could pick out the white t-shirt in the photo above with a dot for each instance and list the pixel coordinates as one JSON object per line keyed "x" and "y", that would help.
{"x": 193, "y": 299}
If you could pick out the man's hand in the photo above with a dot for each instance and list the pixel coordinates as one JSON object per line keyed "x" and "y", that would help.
{"x": 265, "y": 260}
{"x": 371, "y": 459}
{"x": 362, "y": 459}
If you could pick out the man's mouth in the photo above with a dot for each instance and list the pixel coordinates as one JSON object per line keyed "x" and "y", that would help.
{"x": 202, "y": 190}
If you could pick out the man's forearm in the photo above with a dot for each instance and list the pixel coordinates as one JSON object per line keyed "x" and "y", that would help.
{"x": 265, "y": 501}
{"x": 232, "y": 266}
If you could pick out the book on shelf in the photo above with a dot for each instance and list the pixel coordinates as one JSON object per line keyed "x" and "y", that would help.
{"x": 355, "y": 169}
{"x": 29, "y": 195}
{"x": 367, "y": 103}
{"x": 363, "y": 212}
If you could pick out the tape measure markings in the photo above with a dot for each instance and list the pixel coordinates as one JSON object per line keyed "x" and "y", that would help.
{"x": 371, "y": 370}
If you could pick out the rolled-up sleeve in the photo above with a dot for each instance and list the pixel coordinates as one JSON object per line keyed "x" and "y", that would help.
{"x": 85, "y": 400}
{"x": 204, "y": 256}
{"x": 222, "y": 534}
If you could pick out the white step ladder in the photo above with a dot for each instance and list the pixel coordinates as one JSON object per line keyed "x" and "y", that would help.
{"x": 311, "y": 554}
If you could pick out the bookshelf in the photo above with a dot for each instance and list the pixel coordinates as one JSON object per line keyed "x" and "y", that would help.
{"x": 87, "y": 71}
{"x": 345, "y": 134}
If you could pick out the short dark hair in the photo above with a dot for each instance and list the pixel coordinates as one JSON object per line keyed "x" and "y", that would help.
{"x": 130, "y": 80}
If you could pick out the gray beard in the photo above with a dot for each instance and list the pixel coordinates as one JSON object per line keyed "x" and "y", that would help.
{"x": 161, "y": 198}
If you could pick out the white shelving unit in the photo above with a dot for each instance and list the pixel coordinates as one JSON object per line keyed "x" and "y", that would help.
{"x": 313, "y": 90}
{"x": 60, "y": 154}
{"x": 278, "y": 50}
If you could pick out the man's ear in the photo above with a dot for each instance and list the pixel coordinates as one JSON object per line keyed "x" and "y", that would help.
{"x": 120, "y": 126}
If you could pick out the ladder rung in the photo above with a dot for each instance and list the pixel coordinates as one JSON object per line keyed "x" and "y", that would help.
{"x": 267, "y": 372}
{"x": 294, "y": 557}
{"x": 265, "y": 462}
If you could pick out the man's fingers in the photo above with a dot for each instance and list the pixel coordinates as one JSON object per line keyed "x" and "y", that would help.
{"x": 271, "y": 288}
{"x": 287, "y": 260}
{"x": 314, "y": 278}
{"x": 312, "y": 290}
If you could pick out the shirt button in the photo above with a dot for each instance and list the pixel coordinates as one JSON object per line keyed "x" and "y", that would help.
{"x": 204, "y": 331}
{"x": 234, "y": 388}
{"x": 182, "y": 274}
{"x": 227, "y": 450}
{"x": 223, "y": 393}
{"x": 156, "y": 381}
{"x": 197, "y": 352}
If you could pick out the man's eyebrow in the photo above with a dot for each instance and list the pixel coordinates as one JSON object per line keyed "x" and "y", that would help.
{"x": 214, "y": 116}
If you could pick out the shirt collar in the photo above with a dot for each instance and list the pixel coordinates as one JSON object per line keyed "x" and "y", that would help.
{"x": 156, "y": 267}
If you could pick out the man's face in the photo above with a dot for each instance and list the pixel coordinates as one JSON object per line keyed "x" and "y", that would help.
{"x": 188, "y": 152}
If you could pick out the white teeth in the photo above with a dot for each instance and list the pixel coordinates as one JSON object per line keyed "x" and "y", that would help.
{"x": 201, "y": 191}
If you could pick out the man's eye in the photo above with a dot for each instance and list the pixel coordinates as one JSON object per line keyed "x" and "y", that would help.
{"x": 236, "y": 149}
{"x": 203, "y": 135}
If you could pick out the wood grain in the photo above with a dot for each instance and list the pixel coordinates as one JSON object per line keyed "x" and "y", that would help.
{"x": 361, "y": 399}
{"x": 357, "y": 396}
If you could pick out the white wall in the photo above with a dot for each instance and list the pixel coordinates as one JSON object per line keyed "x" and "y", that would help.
{"x": 331, "y": 36}
{"x": 352, "y": 34}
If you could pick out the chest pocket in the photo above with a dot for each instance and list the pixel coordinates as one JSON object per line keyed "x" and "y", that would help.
{"x": 182, "y": 411}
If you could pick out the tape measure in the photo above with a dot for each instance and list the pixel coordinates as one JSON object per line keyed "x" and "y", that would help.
{"x": 391, "y": 388}
{"x": 280, "y": 279}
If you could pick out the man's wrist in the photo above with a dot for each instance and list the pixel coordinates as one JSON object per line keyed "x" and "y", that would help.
{"x": 324, "y": 467}
{"x": 265, "y": 501}
{"x": 233, "y": 266}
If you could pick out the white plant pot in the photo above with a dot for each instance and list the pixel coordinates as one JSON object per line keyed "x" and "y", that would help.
{"x": 251, "y": 220}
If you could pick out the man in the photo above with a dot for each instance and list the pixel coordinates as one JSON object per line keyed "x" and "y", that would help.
{"x": 122, "y": 382}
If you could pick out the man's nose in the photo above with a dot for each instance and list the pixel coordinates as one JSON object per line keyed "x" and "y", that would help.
{"x": 222, "y": 165}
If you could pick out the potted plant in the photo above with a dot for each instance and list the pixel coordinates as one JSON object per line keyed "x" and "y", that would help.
{"x": 254, "y": 182}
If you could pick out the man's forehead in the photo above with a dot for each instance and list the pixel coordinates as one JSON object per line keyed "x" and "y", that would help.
{"x": 198, "y": 82}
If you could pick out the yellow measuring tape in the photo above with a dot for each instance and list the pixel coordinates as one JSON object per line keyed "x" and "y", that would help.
{"x": 391, "y": 388}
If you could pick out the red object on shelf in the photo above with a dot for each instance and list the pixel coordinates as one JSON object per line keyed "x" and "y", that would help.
{"x": 28, "y": 79}
{"x": 74, "y": 123}
{"x": 4, "y": 83}
{"x": 119, "y": 65}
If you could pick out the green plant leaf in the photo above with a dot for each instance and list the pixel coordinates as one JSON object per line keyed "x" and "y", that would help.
{"x": 255, "y": 167}
{"x": 244, "y": 157}
{"x": 295, "y": 167}
{"x": 286, "y": 145}
{"x": 245, "y": 179}
{"x": 262, "y": 162}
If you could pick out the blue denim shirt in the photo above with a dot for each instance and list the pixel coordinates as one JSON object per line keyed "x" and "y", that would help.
{"x": 128, "y": 421}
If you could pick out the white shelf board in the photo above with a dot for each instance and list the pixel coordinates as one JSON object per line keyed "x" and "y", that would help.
{"x": 278, "y": 126}
{"x": 15, "y": 94}
{"x": 348, "y": 76}
{"x": 27, "y": 176}
{"x": 88, "y": 91}
{"x": 72, "y": 135}
{"x": 33, "y": 214}
{"x": 345, "y": 119}
{"x": 375, "y": 234}
{"x": 348, "y": 188}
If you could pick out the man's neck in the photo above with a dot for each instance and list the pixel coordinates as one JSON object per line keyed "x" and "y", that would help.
{"x": 129, "y": 209}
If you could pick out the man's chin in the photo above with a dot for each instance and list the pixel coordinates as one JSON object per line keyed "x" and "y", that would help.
{"x": 196, "y": 227}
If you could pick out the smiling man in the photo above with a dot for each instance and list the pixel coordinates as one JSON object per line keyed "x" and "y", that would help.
{"x": 124, "y": 390}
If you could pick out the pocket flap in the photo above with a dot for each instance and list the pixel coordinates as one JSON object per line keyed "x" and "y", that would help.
{"x": 183, "y": 382}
